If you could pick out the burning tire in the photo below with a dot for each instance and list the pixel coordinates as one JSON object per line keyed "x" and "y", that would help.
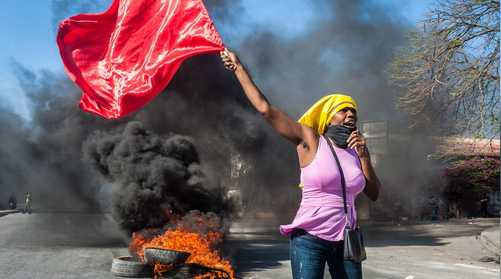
{"x": 165, "y": 256}
{"x": 131, "y": 268}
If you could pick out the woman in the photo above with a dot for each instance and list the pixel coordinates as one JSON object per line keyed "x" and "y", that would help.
{"x": 317, "y": 230}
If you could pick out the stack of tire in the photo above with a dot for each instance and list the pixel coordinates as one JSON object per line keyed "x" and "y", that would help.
{"x": 132, "y": 268}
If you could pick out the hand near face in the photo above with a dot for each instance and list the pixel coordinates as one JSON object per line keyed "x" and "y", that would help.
{"x": 357, "y": 141}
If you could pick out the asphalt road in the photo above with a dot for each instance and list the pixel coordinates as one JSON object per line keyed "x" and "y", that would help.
{"x": 426, "y": 251}
{"x": 70, "y": 245}
{"x": 50, "y": 246}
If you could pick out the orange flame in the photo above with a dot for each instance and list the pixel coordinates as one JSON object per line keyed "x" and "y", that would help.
{"x": 201, "y": 248}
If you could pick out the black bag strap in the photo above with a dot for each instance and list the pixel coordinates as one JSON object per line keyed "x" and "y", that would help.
{"x": 343, "y": 182}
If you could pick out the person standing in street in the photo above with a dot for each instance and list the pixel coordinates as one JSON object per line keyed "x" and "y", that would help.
{"x": 12, "y": 201}
{"x": 27, "y": 203}
{"x": 335, "y": 167}
{"x": 483, "y": 206}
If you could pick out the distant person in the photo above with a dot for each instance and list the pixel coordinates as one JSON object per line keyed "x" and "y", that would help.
{"x": 327, "y": 129}
{"x": 27, "y": 203}
{"x": 435, "y": 208}
{"x": 12, "y": 201}
{"x": 434, "y": 212}
{"x": 483, "y": 206}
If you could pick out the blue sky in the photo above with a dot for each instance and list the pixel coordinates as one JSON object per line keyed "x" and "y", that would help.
{"x": 28, "y": 37}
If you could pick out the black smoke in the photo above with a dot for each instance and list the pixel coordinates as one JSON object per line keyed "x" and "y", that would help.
{"x": 154, "y": 178}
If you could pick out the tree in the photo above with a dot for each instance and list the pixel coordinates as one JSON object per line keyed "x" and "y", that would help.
{"x": 449, "y": 70}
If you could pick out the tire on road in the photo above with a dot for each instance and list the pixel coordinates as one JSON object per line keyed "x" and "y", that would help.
{"x": 165, "y": 256}
{"x": 130, "y": 268}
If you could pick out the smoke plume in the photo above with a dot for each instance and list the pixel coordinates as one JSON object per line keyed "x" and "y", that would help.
{"x": 153, "y": 178}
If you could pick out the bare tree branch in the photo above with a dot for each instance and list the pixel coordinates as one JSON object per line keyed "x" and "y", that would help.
{"x": 449, "y": 72}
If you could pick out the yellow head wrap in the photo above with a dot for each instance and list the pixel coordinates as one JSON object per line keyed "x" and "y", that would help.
{"x": 320, "y": 114}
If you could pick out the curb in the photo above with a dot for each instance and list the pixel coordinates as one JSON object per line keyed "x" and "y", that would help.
{"x": 7, "y": 212}
{"x": 489, "y": 239}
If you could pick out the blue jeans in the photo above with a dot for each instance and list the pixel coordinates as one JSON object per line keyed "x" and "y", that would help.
{"x": 309, "y": 253}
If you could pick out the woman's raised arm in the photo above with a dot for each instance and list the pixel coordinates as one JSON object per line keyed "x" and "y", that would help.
{"x": 280, "y": 121}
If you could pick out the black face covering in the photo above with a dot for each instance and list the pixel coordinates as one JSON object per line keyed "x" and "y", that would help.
{"x": 340, "y": 134}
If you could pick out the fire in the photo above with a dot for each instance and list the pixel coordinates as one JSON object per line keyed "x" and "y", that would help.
{"x": 201, "y": 247}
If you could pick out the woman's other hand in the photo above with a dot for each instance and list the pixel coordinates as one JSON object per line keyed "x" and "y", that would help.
{"x": 357, "y": 141}
{"x": 372, "y": 186}
{"x": 230, "y": 60}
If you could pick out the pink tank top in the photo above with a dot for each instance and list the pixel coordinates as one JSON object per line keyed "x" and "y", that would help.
{"x": 321, "y": 212}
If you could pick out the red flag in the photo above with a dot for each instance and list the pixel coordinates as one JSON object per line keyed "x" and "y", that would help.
{"x": 125, "y": 56}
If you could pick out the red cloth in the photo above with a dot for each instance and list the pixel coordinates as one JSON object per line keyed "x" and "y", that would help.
{"x": 125, "y": 56}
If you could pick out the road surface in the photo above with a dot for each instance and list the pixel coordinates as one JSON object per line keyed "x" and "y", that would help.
{"x": 78, "y": 245}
